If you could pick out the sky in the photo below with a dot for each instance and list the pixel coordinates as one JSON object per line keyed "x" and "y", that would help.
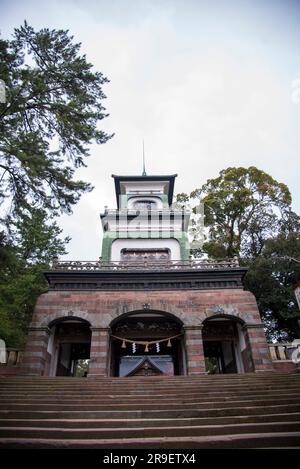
{"x": 206, "y": 84}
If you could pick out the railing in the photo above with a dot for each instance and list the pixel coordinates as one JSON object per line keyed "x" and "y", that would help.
{"x": 284, "y": 351}
{"x": 13, "y": 357}
{"x": 156, "y": 210}
{"x": 144, "y": 264}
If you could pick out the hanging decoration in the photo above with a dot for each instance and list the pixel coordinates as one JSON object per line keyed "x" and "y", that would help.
{"x": 146, "y": 343}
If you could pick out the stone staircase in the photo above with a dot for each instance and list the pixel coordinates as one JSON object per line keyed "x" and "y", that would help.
{"x": 220, "y": 411}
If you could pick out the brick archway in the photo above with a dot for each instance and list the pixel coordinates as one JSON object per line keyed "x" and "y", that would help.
{"x": 69, "y": 344}
{"x": 163, "y": 307}
{"x": 62, "y": 315}
{"x": 42, "y": 349}
{"x": 224, "y": 344}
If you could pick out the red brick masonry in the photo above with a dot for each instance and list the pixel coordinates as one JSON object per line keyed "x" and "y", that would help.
{"x": 191, "y": 307}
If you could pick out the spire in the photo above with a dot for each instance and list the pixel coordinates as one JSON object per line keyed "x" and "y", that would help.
{"x": 144, "y": 170}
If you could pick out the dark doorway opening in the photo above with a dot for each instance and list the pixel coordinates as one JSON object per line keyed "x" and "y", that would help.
{"x": 71, "y": 348}
{"x": 220, "y": 357}
{"x": 73, "y": 359}
{"x": 130, "y": 359}
{"x": 222, "y": 346}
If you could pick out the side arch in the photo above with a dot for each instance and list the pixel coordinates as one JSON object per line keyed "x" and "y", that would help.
{"x": 220, "y": 316}
{"x": 68, "y": 348}
{"x": 65, "y": 319}
{"x": 65, "y": 315}
{"x": 225, "y": 344}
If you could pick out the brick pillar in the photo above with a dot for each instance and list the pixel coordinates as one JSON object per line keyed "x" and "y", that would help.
{"x": 247, "y": 353}
{"x": 259, "y": 348}
{"x": 99, "y": 361}
{"x": 194, "y": 350}
{"x": 35, "y": 355}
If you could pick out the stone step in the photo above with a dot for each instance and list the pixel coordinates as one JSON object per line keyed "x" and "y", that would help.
{"x": 160, "y": 422}
{"x": 146, "y": 390}
{"x": 160, "y": 378}
{"x": 131, "y": 400}
{"x": 264, "y": 440}
{"x": 134, "y": 394}
{"x": 157, "y": 379}
{"x": 195, "y": 404}
{"x": 149, "y": 432}
{"x": 85, "y": 383}
{"x": 149, "y": 414}
{"x": 140, "y": 396}
{"x": 160, "y": 412}
{"x": 150, "y": 387}
{"x": 148, "y": 395}
{"x": 125, "y": 390}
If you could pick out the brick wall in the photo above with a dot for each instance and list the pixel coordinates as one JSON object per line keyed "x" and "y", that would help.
{"x": 191, "y": 307}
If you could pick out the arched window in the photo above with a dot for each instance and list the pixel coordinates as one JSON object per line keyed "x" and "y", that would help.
{"x": 145, "y": 204}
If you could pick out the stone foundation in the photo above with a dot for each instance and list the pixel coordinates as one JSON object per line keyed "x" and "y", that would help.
{"x": 190, "y": 307}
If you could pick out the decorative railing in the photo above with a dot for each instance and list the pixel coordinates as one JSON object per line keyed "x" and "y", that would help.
{"x": 155, "y": 210}
{"x": 285, "y": 351}
{"x": 144, "y": 264}
{"x": 13, "y": 357}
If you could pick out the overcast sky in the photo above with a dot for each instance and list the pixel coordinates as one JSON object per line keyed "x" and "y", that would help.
{"x": 206, "y": 84}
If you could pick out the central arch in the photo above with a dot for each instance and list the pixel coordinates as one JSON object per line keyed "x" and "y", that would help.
{"x": 147, "y": 342}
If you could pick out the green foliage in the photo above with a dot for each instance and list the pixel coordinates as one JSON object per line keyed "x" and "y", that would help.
{"x": 50, "y": 118}
{"x": 242, "y": 208}
{"x": 37, "y": 241}
{"x": 272, "y": 277}
{"x": 54, "y": 102}
{"x": 18, "y": 297}
{"x": 34, "y": 242}
{"x": 248, "y": 214}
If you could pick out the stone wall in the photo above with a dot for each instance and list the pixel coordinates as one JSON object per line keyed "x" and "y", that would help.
{"x": 100, "y": 308}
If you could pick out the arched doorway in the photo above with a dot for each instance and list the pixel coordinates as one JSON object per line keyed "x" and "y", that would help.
{"x": 69, "y": 347}
{"x": 147, "y": 343}
{"x": 225, "y": 346}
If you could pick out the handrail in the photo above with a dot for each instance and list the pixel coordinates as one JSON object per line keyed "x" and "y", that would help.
{"x": 283, "y": 351}
{"x": 143, "y": 264}
{"x": 13, "y": 357}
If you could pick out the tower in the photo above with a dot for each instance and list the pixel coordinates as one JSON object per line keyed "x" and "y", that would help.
{"x": 145, "y": 226}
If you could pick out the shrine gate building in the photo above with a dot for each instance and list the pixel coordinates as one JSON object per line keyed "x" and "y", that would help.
{"x": 146, "y": 307}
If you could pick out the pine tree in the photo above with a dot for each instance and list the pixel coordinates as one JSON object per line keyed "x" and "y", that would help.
{"x": 48, "y": 121}
{"x": 50, "y": 117}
